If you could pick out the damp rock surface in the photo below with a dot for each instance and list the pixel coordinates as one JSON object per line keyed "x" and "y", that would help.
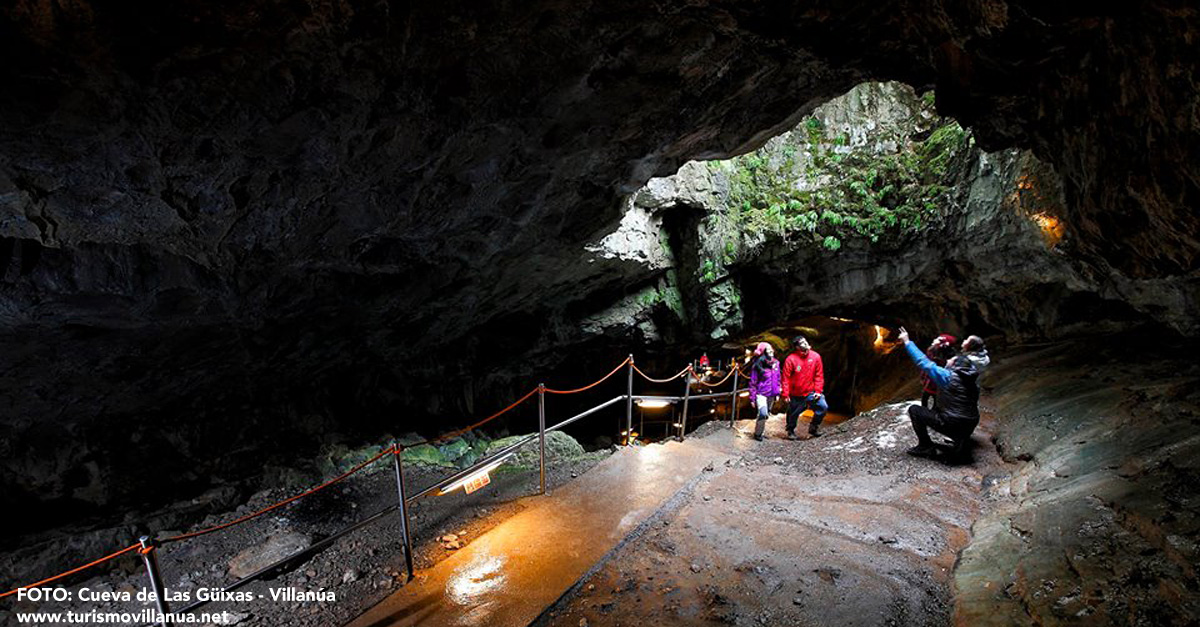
{"x": 1103, "y": 495}
{"x": 232, "y": 235}
{"x": 842, "y": 529}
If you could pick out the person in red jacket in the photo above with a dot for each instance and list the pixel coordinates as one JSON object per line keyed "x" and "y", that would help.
{"x": 940, "y": 351}
{"x": 804, "y": 387}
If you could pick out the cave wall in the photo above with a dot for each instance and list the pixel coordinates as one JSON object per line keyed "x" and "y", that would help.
{"x": 1096, "y": 521}
{"x": 235, "y": 220}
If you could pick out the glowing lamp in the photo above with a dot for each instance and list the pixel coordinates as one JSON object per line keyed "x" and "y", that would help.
{"x": 651, "y": 404}
{"x": 475, "y": 480}
{"x": 882, "y": 346}
{"x": 745, "y": 394}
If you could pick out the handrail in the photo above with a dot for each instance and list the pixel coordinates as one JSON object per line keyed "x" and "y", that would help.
{"x": 650, "y": 397}
{"x": 146, "y": 549}
{"x": 714, "y": 394}
{"x": 586, "y": 413}
{"x": 508, "y": 450}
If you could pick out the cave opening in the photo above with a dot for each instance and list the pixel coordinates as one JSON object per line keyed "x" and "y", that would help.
{"x": 861, "y": 368}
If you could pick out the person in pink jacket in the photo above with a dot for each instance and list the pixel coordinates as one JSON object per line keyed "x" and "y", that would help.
{"x": 764, "y": 384}
{"x": 804, "y": 387}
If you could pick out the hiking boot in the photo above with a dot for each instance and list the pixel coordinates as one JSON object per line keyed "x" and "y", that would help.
{"x": 792, "y": 435}
{"x": 922, "y": 450}
{"x": 813, "y": 433}
{"x": 759, "y": 438}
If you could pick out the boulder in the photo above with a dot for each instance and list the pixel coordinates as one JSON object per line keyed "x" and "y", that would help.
{"x": 468, "y": 458}
{"x": 454, "y": 449}
{"x": 425, "y": 455}
{"x": 559, "y": 446}
{"x": 410, "y": 439}
{"x": 269, "y": 551}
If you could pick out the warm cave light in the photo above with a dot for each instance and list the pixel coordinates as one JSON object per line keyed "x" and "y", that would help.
{"x": 745, "y": 394}
{"x": 1052, "y": 228}
{"x": 652, "y": 404}
{"x": 882, "y": 346}
{"x": 475, "y": 480}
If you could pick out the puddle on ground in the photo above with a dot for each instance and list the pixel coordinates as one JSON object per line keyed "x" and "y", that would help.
{"x": 472, "y": 581}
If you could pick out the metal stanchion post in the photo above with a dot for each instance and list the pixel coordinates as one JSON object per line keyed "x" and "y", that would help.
{"x": 687, "y": 392}
{"x": 542, "y": 432}
{"x": 733, "y": 396}
{"x": 629, "y": 407}
{"x": 160, "y": 592}
{"x": 404, "y": 530}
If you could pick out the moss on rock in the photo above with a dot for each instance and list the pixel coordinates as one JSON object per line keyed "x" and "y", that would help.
{"x": 559, "y": 447}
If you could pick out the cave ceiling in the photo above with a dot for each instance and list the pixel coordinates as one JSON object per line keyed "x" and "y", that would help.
{"x": 290, "y": 186}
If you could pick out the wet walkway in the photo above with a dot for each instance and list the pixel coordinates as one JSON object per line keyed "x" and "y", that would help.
{"x": 508, "y": 576}
{"x": 845, "y": 529}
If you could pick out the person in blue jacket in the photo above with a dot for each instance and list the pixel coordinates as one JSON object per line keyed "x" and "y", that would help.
{"x": 957, "y": 412}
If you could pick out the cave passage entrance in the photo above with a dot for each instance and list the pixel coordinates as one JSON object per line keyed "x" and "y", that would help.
{"x": 862, "y": 366}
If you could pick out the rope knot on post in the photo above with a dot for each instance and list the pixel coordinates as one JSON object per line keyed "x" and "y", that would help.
{"x": 150, "y": 559}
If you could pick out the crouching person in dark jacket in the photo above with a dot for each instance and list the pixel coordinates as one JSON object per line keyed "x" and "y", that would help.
{"x": 957, "y": 412}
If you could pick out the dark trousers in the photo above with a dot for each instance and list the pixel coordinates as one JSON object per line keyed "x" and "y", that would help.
{"x": 797, "y": 405}
{"x": 925, "y": 419}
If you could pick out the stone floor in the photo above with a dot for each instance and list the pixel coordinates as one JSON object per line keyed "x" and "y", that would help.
{"x": 508, "y": 576}
{"x": 845, "y": 529}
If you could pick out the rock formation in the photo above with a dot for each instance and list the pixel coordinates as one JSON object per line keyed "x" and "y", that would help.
{"x": 224, "y": 226}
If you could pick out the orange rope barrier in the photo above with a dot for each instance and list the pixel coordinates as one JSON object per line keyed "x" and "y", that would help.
{"x": 588, "y": 387}
{"x": 453, "y": 434}
{"x": 712, "y": 385}
{"x": 264, "y": 510}
{"x": 359, "y": 467}
{"x": 647, "y": 377}
{"x": 74, "y": 570}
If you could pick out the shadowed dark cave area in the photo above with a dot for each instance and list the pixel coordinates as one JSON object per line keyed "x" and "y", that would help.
{"x": 230, "y": 236}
